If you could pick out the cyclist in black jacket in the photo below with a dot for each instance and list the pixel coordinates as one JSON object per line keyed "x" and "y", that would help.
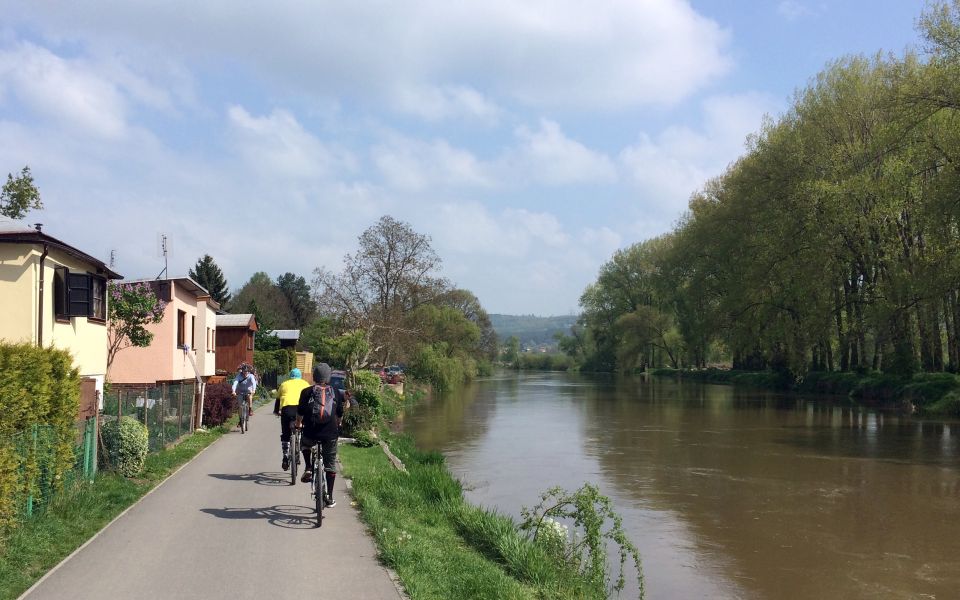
{"x": 325, "y": 433}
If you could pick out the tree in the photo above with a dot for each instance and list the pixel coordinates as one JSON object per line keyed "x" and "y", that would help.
{"x": 261, "y": 296}
{"x": 295, "y": 289}
{"x": 391, "y": 274}
{"x": 208, "y": 274}
{"x": 19, "y": 195}
{"x": 133, "y": 306}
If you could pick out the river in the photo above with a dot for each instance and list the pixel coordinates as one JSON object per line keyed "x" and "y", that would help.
{"x": 728, "y": 493}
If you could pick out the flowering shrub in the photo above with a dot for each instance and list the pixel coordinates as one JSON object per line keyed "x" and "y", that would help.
{"x": 133, "y": 306}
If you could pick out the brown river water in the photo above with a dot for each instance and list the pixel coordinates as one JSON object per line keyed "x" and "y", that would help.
{"x": 728, "y": 492}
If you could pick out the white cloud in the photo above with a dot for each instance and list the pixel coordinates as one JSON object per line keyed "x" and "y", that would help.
{"x": 792, "y": 10}
{"x": 69, "y": 92}
{"x": 673, "y": 165}
{"x": 411, "y": 164}
{"x": 455, "y": 56}
{"x": 548, "y": 156}
{"x": 436, "y": 103}
{"x": 278, "y": 145}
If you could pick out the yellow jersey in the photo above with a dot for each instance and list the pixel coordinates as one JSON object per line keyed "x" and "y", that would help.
{"x": 290, "y": 391}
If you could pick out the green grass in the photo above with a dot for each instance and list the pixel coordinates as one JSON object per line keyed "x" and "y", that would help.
{"x": 78, "y": 513}
{"x": 440, "y": 546}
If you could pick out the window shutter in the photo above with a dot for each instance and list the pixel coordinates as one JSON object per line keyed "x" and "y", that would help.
{"x": 78, "y": 294}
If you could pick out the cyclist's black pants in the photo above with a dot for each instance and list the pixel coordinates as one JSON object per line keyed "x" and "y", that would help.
{"x": 328, "y": 451}
{"x": 288, "y": 417}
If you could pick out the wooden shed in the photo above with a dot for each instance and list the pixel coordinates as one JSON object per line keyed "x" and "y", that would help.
{"x": 235, "y": 341}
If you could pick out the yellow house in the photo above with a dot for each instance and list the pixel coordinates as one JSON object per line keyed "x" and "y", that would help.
{"x": 184, "y": 341}
{"x": 52, "y": 294}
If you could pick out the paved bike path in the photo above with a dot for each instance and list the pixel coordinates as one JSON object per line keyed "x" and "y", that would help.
{"x": 228, "y": 525}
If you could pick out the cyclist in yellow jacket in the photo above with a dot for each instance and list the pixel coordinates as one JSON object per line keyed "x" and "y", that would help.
{"x": 288, "y": 397}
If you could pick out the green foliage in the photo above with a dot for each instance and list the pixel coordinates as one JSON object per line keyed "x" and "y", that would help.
{"x": 39, "y": 387}
{"x": 274, "y": 361}
{"x": 295, "y": 289}
{"x": 19, "y": 195}
{"x": 125, "y": 441}
{"x": 132, "y": 307}
{"x": 261, "y": 296}
{"x": 208, "y": 274}
{"x": 596, "y": 525}
{"x": 543, "y": 361}
{"x": 433, "y": 363}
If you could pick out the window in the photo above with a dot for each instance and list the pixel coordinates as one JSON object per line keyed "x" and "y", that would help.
{"x": 213, "y": 344}
{"x": 250, "y": 341}
{"x": 193, "y": 333}
{"x": 98, "y": 298}
{"x": 181, "y": 328}
{"x": 60, "y": 294}
{"x": 79, "y": 295}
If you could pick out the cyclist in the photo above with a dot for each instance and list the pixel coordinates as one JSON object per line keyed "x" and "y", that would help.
{"x": 325, "y": 432}
{"x": 288, "y": 397}
{"x": 244, "y": 386}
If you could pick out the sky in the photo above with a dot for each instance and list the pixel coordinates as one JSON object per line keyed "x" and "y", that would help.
{"x": 529, "y": 140}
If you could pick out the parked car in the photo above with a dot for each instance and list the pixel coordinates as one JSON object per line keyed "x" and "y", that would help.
{"x": 394, "y": 374}
{"x": 338, "y": 379}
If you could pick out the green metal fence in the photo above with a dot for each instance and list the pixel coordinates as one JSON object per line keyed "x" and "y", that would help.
{"x": 28, "y": 468}
{"x": 166, "y": 409}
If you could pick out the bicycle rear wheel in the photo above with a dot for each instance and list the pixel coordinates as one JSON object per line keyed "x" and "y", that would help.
{"x": 243, "y": 416}
{"x": 318, "y": 481}
{"x": 294, "y": 457}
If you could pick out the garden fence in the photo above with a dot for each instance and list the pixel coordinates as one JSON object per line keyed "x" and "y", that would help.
{"x": 28, "y": 468}
{"x": 167, "y": 409}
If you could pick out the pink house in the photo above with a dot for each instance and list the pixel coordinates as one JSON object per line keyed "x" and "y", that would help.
{"x": 184, "y": 342}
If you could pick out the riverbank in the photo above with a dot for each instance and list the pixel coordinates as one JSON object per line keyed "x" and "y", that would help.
{"x": 439, "y": 545}
{"x": 935, "y": 394}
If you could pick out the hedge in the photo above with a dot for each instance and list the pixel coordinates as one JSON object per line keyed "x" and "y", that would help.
{"x": 39, "y": 387}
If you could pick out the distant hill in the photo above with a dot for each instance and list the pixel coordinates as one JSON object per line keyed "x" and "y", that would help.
{"x": 532, "y": 331}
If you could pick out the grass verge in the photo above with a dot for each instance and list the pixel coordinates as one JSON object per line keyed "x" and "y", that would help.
{"x": 439, "y": 545}
{"x": 78, "y": 513}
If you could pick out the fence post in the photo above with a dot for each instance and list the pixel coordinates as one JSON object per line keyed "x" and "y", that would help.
{"x": 30, "y": 494}
{"x": 180, "y": 414}
{"x": 86, "y": 449}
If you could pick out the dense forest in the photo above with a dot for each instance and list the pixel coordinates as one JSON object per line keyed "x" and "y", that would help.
{"x": 833, "y": 243}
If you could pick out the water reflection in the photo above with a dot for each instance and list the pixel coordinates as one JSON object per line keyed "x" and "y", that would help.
{"x": 730, "y": 494}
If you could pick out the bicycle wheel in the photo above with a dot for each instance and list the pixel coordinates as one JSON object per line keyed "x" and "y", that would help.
{"x": 294, "y": 457}
{"x": 243, "y": 416}
{"x": 318, "y": 478}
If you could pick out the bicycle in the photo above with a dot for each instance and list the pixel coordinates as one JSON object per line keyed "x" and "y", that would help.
{"x": 244, "y": 415}
{"x": 295, "y": 451}
{"x": 318, "y": 485}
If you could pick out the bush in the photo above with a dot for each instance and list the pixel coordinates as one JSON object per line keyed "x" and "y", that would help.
{"x": 218, "y": 404}
{"x": 126, "y": 441}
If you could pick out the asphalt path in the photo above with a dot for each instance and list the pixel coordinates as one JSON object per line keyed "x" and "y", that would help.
{"x": 227, "y": 525}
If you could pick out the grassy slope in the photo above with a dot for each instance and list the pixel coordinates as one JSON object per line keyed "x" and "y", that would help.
{"x": 440, "y": 546}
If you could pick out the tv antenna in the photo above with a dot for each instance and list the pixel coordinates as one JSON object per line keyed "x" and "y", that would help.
{"x": 163, "y": 249}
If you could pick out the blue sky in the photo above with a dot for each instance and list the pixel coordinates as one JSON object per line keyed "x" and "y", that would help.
{"x": 529, "y": 140}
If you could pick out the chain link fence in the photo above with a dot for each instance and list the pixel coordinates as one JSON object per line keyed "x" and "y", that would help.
{"x": 29, "y": 476}
{"x": 167, "y": 409}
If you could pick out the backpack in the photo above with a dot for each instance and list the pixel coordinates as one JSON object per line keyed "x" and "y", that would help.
{"x": 323, "y": 403}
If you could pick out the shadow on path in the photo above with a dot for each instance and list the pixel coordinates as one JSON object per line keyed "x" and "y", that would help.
{"x": 284, "y": 515}
{"x": 258, "y": 478}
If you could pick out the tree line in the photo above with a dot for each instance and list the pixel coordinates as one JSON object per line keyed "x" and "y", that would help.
{"x": 833, "y": 243}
